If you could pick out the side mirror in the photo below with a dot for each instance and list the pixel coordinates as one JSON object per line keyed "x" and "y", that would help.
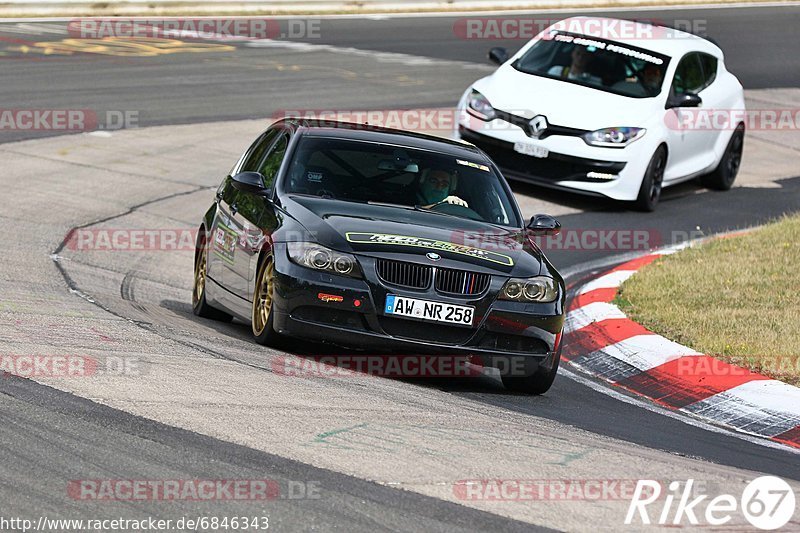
{"x": 252, "y": 182}
{"x": 544, "y": 225}
{"x": 498, "y": 55}
{"x": 683, "y": 100}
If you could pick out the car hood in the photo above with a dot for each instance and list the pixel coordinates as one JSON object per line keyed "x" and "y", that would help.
{"x": 408, "y": 235}
{"x": 563, "y": 103}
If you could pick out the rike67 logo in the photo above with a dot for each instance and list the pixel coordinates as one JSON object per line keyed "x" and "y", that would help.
{"x": 767, "y": 502}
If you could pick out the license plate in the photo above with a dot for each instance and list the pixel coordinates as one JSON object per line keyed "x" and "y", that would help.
{"x": 430, "y": 311}
{"x": 533, "y": 150}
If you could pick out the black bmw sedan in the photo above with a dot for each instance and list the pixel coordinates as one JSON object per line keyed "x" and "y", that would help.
{"x": 377, "y": 239}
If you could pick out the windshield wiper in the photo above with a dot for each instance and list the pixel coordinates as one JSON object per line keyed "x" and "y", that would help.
{"x": 389, "y": 204}
{"x": 414, "y": 208}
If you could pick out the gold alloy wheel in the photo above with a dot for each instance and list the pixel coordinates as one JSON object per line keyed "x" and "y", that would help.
{"x": 199, "y": 278}
{"x": 262, "y": 299}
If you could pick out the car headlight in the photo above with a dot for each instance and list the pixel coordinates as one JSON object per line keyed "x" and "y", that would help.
{"x": 317, "y": 257}
{"x": 479, "y": 106}
{"x": 538, "y": 289}
{"x": 613, "y": 137}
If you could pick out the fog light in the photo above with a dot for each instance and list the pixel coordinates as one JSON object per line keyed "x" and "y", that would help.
{"x": 601, "y": 176}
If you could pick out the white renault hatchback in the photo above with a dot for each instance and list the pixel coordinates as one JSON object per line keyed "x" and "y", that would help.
{"x": 623, "y": 118}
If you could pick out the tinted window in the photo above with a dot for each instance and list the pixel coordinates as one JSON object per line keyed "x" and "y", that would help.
{"x": 271, "y": 164}
{"x": 709, "y": 64}
{"x": 367, "y": 172}
{"x": 228, "y": 192}
{"x": 257, "y": 151}
{"x": 596, "y": 63}
{"x": 688, "y": 75}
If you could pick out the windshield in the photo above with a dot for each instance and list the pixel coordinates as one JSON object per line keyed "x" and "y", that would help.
{"x": 367, "y": 172}
{"x": 596, "y": 63}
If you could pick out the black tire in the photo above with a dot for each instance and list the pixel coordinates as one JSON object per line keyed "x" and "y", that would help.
{"x": 650, "y": 191}
{"x": 200, "y": 306}
{"x": 722, "y": 178}
{"x": 261, "y": 318}
{"x": 537, "y": 383}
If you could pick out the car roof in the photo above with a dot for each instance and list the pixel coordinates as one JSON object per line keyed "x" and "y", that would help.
{"x": 665, "y": 40}
{"x": 374, "y": 133}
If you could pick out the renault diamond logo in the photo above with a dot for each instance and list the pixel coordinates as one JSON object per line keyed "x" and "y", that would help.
{"x": 432, "y": 256}
{"x": 537, "y": 125}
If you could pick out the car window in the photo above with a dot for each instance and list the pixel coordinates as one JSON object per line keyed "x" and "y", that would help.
{"x": 272, "y": 162}
{"x": 709, "y": 64}
{"x": 229, "y": 193}
{"x": 688, "y": 75}
{"x": 597, "y": 63}
{"x": 257, "y": 151}
{"x": 368, "y": 172}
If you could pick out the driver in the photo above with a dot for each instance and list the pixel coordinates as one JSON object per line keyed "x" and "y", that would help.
{"x": 435, "y": 189}
{"x": 582, "y": 59}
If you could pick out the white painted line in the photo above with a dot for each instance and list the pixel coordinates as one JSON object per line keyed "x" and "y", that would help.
{"x": 593, "y": 312}
{"x": 767, "y": 412}
{"x": 612, "y": 280}
{"x": 685, "y": 418}
{"x": 769, "y": 394}
{"x": 33, "y": 29}
{"x": 384, "y": 57}
{"x": 676, "y": 248}
{"x": 445, "y": 14}
{"x": 647, "y": 351}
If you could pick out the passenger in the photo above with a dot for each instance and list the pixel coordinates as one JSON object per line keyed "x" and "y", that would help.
{"x": 652, "y": 78}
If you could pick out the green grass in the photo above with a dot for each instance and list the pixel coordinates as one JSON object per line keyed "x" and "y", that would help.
{"x": 736, "y": 298}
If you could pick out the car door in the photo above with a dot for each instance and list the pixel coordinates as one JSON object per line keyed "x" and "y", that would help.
{"x": 224, "y": 236}
{"x": 254, "y": 217}
{"x": 688, "y": 144}
{"x": 717, "y": 106}
{"x": 220, "y": 238}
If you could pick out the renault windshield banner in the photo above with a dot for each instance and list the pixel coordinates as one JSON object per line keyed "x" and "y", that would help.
{"x": 402, "y": 240}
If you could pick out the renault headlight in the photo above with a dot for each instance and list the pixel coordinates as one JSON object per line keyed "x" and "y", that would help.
{"x": 479, "y": 106}
{"x": 613, "y": 137}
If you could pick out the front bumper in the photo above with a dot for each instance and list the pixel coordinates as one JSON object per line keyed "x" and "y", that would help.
{"x": 554, "y": 168}
{"x": 570, "y": 165}
{"x": 501, "y": 329}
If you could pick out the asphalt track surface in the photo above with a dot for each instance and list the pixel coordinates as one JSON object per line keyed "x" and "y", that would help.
{"x": 760, "y": 46}
{"x": 49, "y": 437}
